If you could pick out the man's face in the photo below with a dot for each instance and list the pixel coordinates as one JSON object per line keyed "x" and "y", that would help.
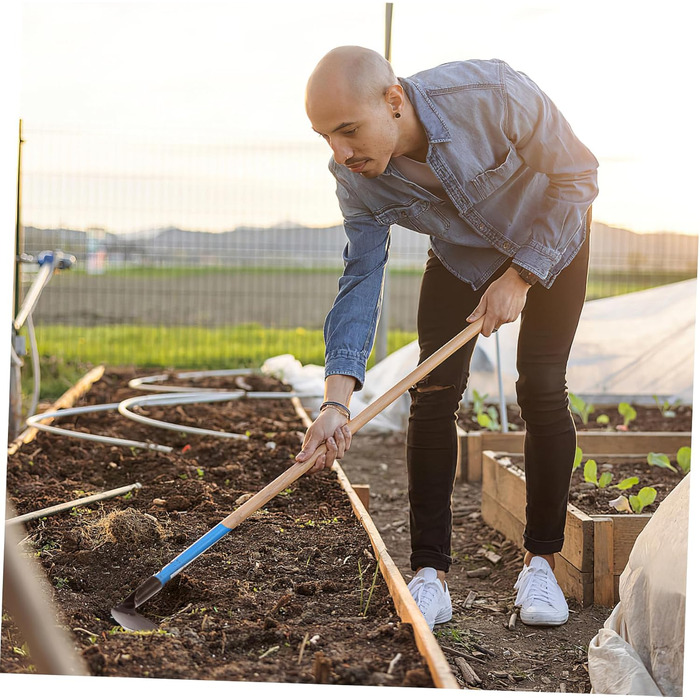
{"x": 361, "y": 133}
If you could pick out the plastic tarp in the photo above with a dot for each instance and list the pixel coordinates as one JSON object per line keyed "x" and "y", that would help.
{"x": 632, "y": 345}
{"x": 639, "y": 650}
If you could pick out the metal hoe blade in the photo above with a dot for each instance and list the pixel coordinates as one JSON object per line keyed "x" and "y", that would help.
{"x": 125, "y": 612}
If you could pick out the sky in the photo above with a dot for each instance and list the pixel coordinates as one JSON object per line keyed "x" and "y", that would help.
{"x": 179, "y": 83}
{"x": 216, "y": 90}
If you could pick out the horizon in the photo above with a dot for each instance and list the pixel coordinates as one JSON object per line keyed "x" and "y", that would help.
{"x": 200, "y": 81}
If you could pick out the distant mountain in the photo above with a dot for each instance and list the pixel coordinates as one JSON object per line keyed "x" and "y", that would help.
{"x": 294, "y": 245}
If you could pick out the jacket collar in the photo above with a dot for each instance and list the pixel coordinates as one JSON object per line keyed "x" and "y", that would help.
{"x": 429, "y": 115}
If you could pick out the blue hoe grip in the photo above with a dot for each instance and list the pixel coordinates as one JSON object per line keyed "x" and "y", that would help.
{"x": 192, "y": 552}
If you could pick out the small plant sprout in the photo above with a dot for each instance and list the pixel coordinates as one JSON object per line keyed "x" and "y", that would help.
{"x": 667, "y": 409}
{"x": 603, "y": 419}
{"x": 578, "y": 458}
{"x": 626, "y": 483}
{"x": 590, "y": 474}
{"x": 628, "y": 414}
{"x": 488, "y": 419}
{"x": 659, "y": 459}
{"x": 478, "y": 402}
{"x": 683, "y": 459}
{"x": 644, "y": 498}
{"x": 580, "y": 407}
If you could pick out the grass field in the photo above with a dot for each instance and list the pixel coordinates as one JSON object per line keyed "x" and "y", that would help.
{"x": 215, "y": 318}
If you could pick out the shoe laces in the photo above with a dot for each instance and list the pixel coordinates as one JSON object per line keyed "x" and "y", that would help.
{"x": 538, "y": 587}
{"x": 428, "y": 593}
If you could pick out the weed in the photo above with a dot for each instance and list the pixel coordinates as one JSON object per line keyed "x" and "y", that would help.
{"x": 61, "y": 582}
{"x": 371, "y": 590}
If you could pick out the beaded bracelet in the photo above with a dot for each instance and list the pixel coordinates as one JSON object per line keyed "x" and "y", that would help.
{"x": 338, "y": 406}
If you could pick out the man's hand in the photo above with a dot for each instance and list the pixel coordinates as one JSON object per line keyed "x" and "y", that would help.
{"x": 330, "y": 427}
{"x": 502, "y": 302}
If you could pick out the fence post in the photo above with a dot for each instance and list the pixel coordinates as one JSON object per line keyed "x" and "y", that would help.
{"x": 382, "y": 342}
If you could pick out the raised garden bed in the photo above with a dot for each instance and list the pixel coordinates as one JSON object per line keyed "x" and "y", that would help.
{"x": 650, "y": 431}
{"x": 301, "y": 592}
{"x": 598, "y": 539}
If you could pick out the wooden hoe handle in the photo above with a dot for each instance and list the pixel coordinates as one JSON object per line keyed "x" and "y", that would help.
{"x": 376, "y": 407}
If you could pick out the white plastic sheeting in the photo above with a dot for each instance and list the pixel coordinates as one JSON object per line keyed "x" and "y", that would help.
{"x": 632, "y": 345}
{"x": 639, "y": 650}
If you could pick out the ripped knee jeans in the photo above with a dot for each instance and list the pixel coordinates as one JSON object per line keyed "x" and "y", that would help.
{"x": 547, "y": 328}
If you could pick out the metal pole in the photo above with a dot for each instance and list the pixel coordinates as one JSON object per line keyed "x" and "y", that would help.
{"x": 387, "y": 32}
{"x": 19, "y": 233}
{"x": 27, "y": 597}
{"x": 382, "y": 343}
{"x": 501, "y": 395}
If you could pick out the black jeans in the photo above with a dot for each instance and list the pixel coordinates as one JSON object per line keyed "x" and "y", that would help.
{"x": 548, "y": 324}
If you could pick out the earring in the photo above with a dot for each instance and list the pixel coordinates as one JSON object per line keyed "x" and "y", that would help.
{"x": 397, "y": 115}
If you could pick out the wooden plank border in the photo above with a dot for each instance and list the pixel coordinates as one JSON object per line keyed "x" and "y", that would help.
{"x": 406, "y": 607}
{"x": 596, "y": 548}
{"x": 67, "y": 400}
{"x": 473, "y": 443}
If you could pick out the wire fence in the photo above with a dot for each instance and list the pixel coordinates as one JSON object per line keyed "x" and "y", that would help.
{"x": 203, "y": 234}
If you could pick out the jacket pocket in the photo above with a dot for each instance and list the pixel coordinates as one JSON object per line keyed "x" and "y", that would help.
{"x": 489, "y": 181}
{"x": 416, "y": 215}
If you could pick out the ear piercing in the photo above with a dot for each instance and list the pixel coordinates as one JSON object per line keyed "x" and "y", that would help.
{"x": 397, "y": 115}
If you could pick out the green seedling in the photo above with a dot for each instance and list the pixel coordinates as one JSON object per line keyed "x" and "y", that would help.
{"x": 667, "y": 410}
{"x": 683, "y": 459}
{"x": 626, "y": 483}
{"x": 478, "y": 402}
{"x": 578, "y": 458}
{"x": 488, "y": 419}
{"x": 659, "y": 459}
{"x": 590, "y": 474}
{"x": 644, "y": 498}
{"x": 603, "y": 419}
{"x": 371, "y": 590}
{"x": 580, "y": 407}
{"x": 627, "y": 412}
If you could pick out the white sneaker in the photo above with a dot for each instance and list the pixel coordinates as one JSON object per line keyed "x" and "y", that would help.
{"x": 433, "y": 600}
{"x": 539, "y": 597}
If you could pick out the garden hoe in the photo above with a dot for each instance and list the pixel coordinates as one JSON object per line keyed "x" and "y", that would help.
{"x": 125, "y": 612}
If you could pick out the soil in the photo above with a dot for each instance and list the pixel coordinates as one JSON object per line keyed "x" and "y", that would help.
{"x": 485, "y": 566}
{"x": 243, "y": 610}
{"x": 289, "y": 596}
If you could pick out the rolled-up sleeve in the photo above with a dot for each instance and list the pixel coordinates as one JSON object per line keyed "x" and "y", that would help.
{"x": 351, "y": 324}
{"x": 547, "y": 143}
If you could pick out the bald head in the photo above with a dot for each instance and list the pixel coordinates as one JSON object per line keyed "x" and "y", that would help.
{"x": 353, "y": 71}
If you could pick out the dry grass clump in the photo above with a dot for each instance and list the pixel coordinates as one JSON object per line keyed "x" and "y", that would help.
{"x": 129, "y": 527}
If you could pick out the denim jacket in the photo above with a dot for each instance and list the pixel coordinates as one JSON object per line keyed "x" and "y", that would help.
{"x": 518, "y": 185}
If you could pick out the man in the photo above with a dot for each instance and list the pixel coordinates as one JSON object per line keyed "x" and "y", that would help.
{"x": 475, "y": 155}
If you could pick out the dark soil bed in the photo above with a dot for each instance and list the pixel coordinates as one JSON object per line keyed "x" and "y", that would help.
{"x": 595, "y": 500}
{"x": 285, "y": 597}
